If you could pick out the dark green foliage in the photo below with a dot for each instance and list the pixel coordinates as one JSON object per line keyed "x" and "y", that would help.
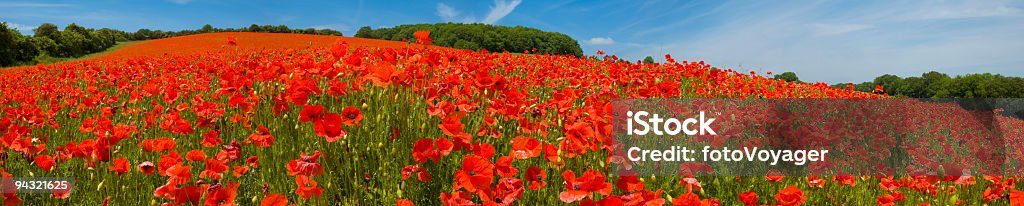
{"x": 648, "y": 60}
{"x": 788, "y": 76}
{"x": 146, "y": 34}
{"x": 16, "y": 48}
{"x": 938, "y": 85}
{"x": 482, "y": 36}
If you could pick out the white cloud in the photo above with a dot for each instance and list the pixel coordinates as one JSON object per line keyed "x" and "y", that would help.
{"x": 963, "y": 10}
{"x": 837, "y": 43}
{"x": 446, "y": 12}
{"x": 20, "y": 27}
{"x": 601, "y": 41}
{"x": 500, "y": 9}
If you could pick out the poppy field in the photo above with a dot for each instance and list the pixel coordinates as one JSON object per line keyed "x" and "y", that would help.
{"x": 282, "y": 119}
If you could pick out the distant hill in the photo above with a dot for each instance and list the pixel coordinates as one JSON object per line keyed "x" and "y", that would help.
{"x": 482, "y": 36}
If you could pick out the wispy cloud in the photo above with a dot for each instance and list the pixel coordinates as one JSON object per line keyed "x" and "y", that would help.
{"x": 833, "y": 29}
{"x": 600, "y": 41}
{"x": 962, "y": 10}
{"x": 501, "y": 9}
{"x": 337, "y": 27}
{"x": 836, "y": 42}
{"x": 446, "y": 12}
{"x": 25, "y": 29}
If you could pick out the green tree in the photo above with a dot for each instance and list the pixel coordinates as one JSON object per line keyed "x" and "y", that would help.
{"x": 488, "y": 37}
{"x": 47, "y": 30}
{"x": 888, "y": 82}
{"x": 788, "y": 76}
{"x": 463, "y": 44}
{"x": 207, "y": 28}
{"x": 648, "y": 60}
{"x": 14, "y": 47}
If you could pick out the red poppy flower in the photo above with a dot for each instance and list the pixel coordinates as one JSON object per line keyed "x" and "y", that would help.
{"x": 484, "y": 150}
{"x": 253, "y": 161}
{"x": 195, "y": 155}
{"x": 668, "y": 89}
{"x": 337, "y": 89}
{"x": 476, "y": 174}
{"x": 583, "y": 186}
{"x": 311, "y": 113}
{"x": 178, "y": 174}
{"x": 45, "y": 162}
{"x": 222, "y": 195}
{"x": 274, "y": 199}
{"x": 691, "y": 184}
{"x": 120, "y": 165}
{"x": 423, "y": 37}
{"x": 504, "y": 167}
{"x": 886, "y": 200}
{"x": 61, "y": 193}
{"x": 421, "y": 173}
{"x": 404, "y": 202}
{"x": 351, "y": 116}
{"x": 214, "y": 169}
{"x": 166, "y": 161}
{"x": 456, "y": 198}
{"x": 525, "y": 147}
{"x": 1016, "y": 197}
{"x": 339, "y": 48}
{"x": 815, "y": 181}
{"x": 507, "y": 191}
{"x": 229, "y": 152}
{"x": 238, "y": 171}
{"x": 232, "y": 41}
{"x": 158, "y": 144}
{"x": 305, "y": 165}
{"x": 188, "y": 195}
{"x": 329, "y": 127}
{"x": 629, "y": 183}
{"x": 686, "y": 199}
{"x": 991, "y": 193}
{"x": 452, "y": 126}
{"x": 551, "y": 153}
{"x": 7, "y": 185}
{"x": 846, "y": 180}
{"x": 262, "y": 137}
{"x": 307, "y": 187}
{"x": 748, "y": 198}
{"x": 147, "y": 167}
{"x": 536, "y": 177}
{"x": 433, "y": 149}
{"x": 210, "y": 139}
{"x": 791, "y": 196}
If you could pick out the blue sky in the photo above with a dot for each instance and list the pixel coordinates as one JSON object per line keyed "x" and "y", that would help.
{"x": 831, "y": 41}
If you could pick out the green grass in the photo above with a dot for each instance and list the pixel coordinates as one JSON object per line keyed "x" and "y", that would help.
{"x": 46, "y": 59}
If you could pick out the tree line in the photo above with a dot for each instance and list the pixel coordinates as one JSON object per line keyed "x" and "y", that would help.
{"x": 939, "y": 85}
{"x": 48, "y": 41}
{"x": 935, "y": 84}
{"x": 481, "y": 36}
